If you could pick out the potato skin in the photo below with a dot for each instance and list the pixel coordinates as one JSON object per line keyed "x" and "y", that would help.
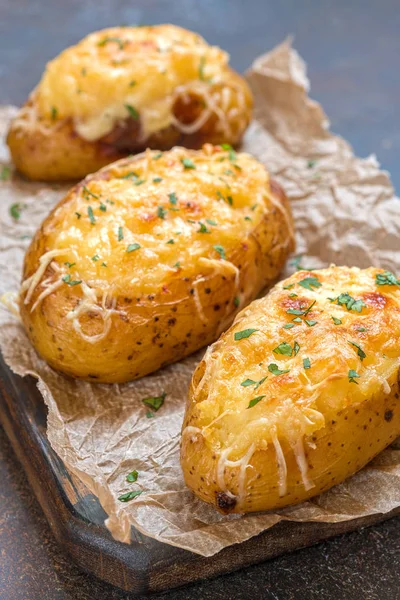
{"x": 323, "y": 439}
{"x": 46, "y": 142}
{"x": 166, "y": 298}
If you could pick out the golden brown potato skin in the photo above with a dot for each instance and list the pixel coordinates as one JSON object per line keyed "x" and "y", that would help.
{"x": 336, "y": 431}
{"x": 183, "y": 293}
{"x": 45, "y": 140}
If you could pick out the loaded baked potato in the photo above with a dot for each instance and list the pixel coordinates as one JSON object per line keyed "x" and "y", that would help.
{"x": 301, "y": 392}
{"x": 149, "y": 259}
{"x": 124, "y": 89}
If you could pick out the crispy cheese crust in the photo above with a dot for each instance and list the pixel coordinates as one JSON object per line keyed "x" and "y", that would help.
{"x": 301, "y": 392}
{"x": 150, "y": 259}
{"x": 121, "y": 90}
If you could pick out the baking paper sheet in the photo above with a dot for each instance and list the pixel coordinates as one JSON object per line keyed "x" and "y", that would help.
{"x": 345, "y": 213}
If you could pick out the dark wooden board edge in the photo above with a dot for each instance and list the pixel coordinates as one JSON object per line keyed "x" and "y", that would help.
{"x": 137, "y": 567}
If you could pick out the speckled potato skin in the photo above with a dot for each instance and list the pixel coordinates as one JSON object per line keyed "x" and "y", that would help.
{"x": 350, "y": 437}
{"x": 157, "y": 328}
{"x": 49, "y": 148}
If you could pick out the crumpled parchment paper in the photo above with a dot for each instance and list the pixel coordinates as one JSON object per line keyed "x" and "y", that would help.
{"x": 345, "y": 212}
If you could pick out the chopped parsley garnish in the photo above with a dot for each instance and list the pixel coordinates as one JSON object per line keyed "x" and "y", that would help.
{"x": 157, "y": 156}
{"x": 133, "y": 247}
{"x": 296, "y": 348}
{"x": 87, "y": 193}
{"x": 5, "y": 173}
{"x": 91, "y": 215}
{"x": 236, "y": 301}
{"x": 161, "y": 212}
{"x": 241, "y": 335}
{"x": 69, "y": 265}
{"x": 172, "y": 198}
{"x": 95, "y": 258}
{"x": 78, "y": 215}
{"x": 220, "y": 251}
{"x": 274, "y": 369}
{"x": 202, "y": 64}
{"x": 349, "y": 302}
{"x": 177, "y": 265}
{"x": 54, "y": 113}
{"x": 297, "y": 320}
{"x": 336, "y": 321}
{"x": 288, "y": 326}
{"x": 255, "y": 401}
{"x": 230, "y": 200}
{"x": 310, "y": 323}
{"x": 203, "y": 228}
{"x": 120, "y": 234}
{"x": 132, "y": 111}
{"x": 130, "y": 496}
{"x": 157, "y": 179}
{"x": 231, "y": 152}
{"x": 188, "y": 163}
{"x": 311, "y": 163}
{"x": 298, "y": 311}
{"x": 306, "y": 363}
{"x": 155, "y": 402}
{"x": 103, "y": 264}
{"x": 386, "y": 278}
{"x": 149, "y": 414}
{"x": 132, "y": 477}
{"x": 288, "y": 287}
{"x": 171, "y": 241}
{"x": 139, "y": 182}
{"x": 247, "y": 219}
{"x": 284, "y": 348}
{"x": 103, "y": 207}
{"x": 361, "y": 329}
{"x": 292, "y": 295}
{"x": 16, "y": 209}
{"x": 67, "y": 279}
{"x": 310, "y": 282}
{"x": 130, "y": 175}
{"x": 109, "y": 39}
{"x": 248, "y": 382}
{"x": 352, "y": 376}
{"x": 360, "y": 351}
{"x": 211, "y": 222}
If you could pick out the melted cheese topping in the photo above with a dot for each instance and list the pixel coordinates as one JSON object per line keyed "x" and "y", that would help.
{"x": 136, "y": 226}
{"x": 121, "y": 72}
{"x": 296, "y": 401}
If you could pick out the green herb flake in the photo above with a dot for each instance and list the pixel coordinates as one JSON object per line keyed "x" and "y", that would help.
{"x": 292, "y": 295}
{"x": 130, "y": 496}
{"x": 360, "y": 351}
{"x": 220, "y": 251}
{"x": 149, "y": 414}
{"x": 297, "y": 320}
{"x": 288, "y": 326}
{"x": 16, "y": 209}
{"x": 67, "y": 279}
{"x": 53, "y": 113}
{"x": 349, "y": 302}
{"x": 361, "y": 329}
{"x": 172, "y": 198}
{"x": 247, "y": 219}
{"x": 132, "y": 477}
{"x": 310, "y": 323}
{"x": 242, "y": 335}
{"x": 296, "y": 311}
{"x": 78, "y": 215}
{"x": 283, "y": 348}
{"x": 95, "y": 258}
{"x": 133, "y": 247}
{"x": 203, "y": 228}
{"x": 236, "y": 301}
{"x": 5, "y": 173}
{"x": 310, "y": 282}
{"x": 274, "y": 369}
{"x": 230, "y": 200}
{"x": 69, "y": 265}
{"x": 132, "y": 111}
{"x": 120, "y": 234}
{"x": 296, "y": 348}
{"x": 288, "y": 287}
{"x": 255, "y": 401}
{"x": 306, "y": 363}
{"x": 311, "y": 164}
{"x": 336, "y": 321}
{"x": 157, "y": 155}
{"x": 103, "y": 264}
{"x": 211, "y": 222}
{"x": 155, "y": 402}
{"x": 157, "y": 179}
{"x": 248, "y": 382}
{"x": 103, "y": 207}
{"x": 171, "y": 241}
{"x": 91, "y": 215}
{"x": 353, "y": 375}
{"x": 161, "y": 212}
{"x": 87, "y": 194}
{"x": 110, "y": 39}
{"x": 188, "y": 163}
{"x": 386, "y": 278}
{"x": 202, "y": 64}
{"x": 177, "y": 265}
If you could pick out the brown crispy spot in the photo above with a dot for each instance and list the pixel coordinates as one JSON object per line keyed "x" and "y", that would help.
{"x": 225, "y": 502}
{"x": 388, "y": 415}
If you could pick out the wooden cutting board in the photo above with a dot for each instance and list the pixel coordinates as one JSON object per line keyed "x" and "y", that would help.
{"x": 77, "y": 519}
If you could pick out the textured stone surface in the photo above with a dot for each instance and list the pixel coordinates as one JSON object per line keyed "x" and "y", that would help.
{"x": 352, "y": 49}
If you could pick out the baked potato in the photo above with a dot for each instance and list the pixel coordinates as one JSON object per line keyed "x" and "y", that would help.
{"x": 300, "y": 393}
{"x": 149, "y": 259}
{"x": 121, "y": 90}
